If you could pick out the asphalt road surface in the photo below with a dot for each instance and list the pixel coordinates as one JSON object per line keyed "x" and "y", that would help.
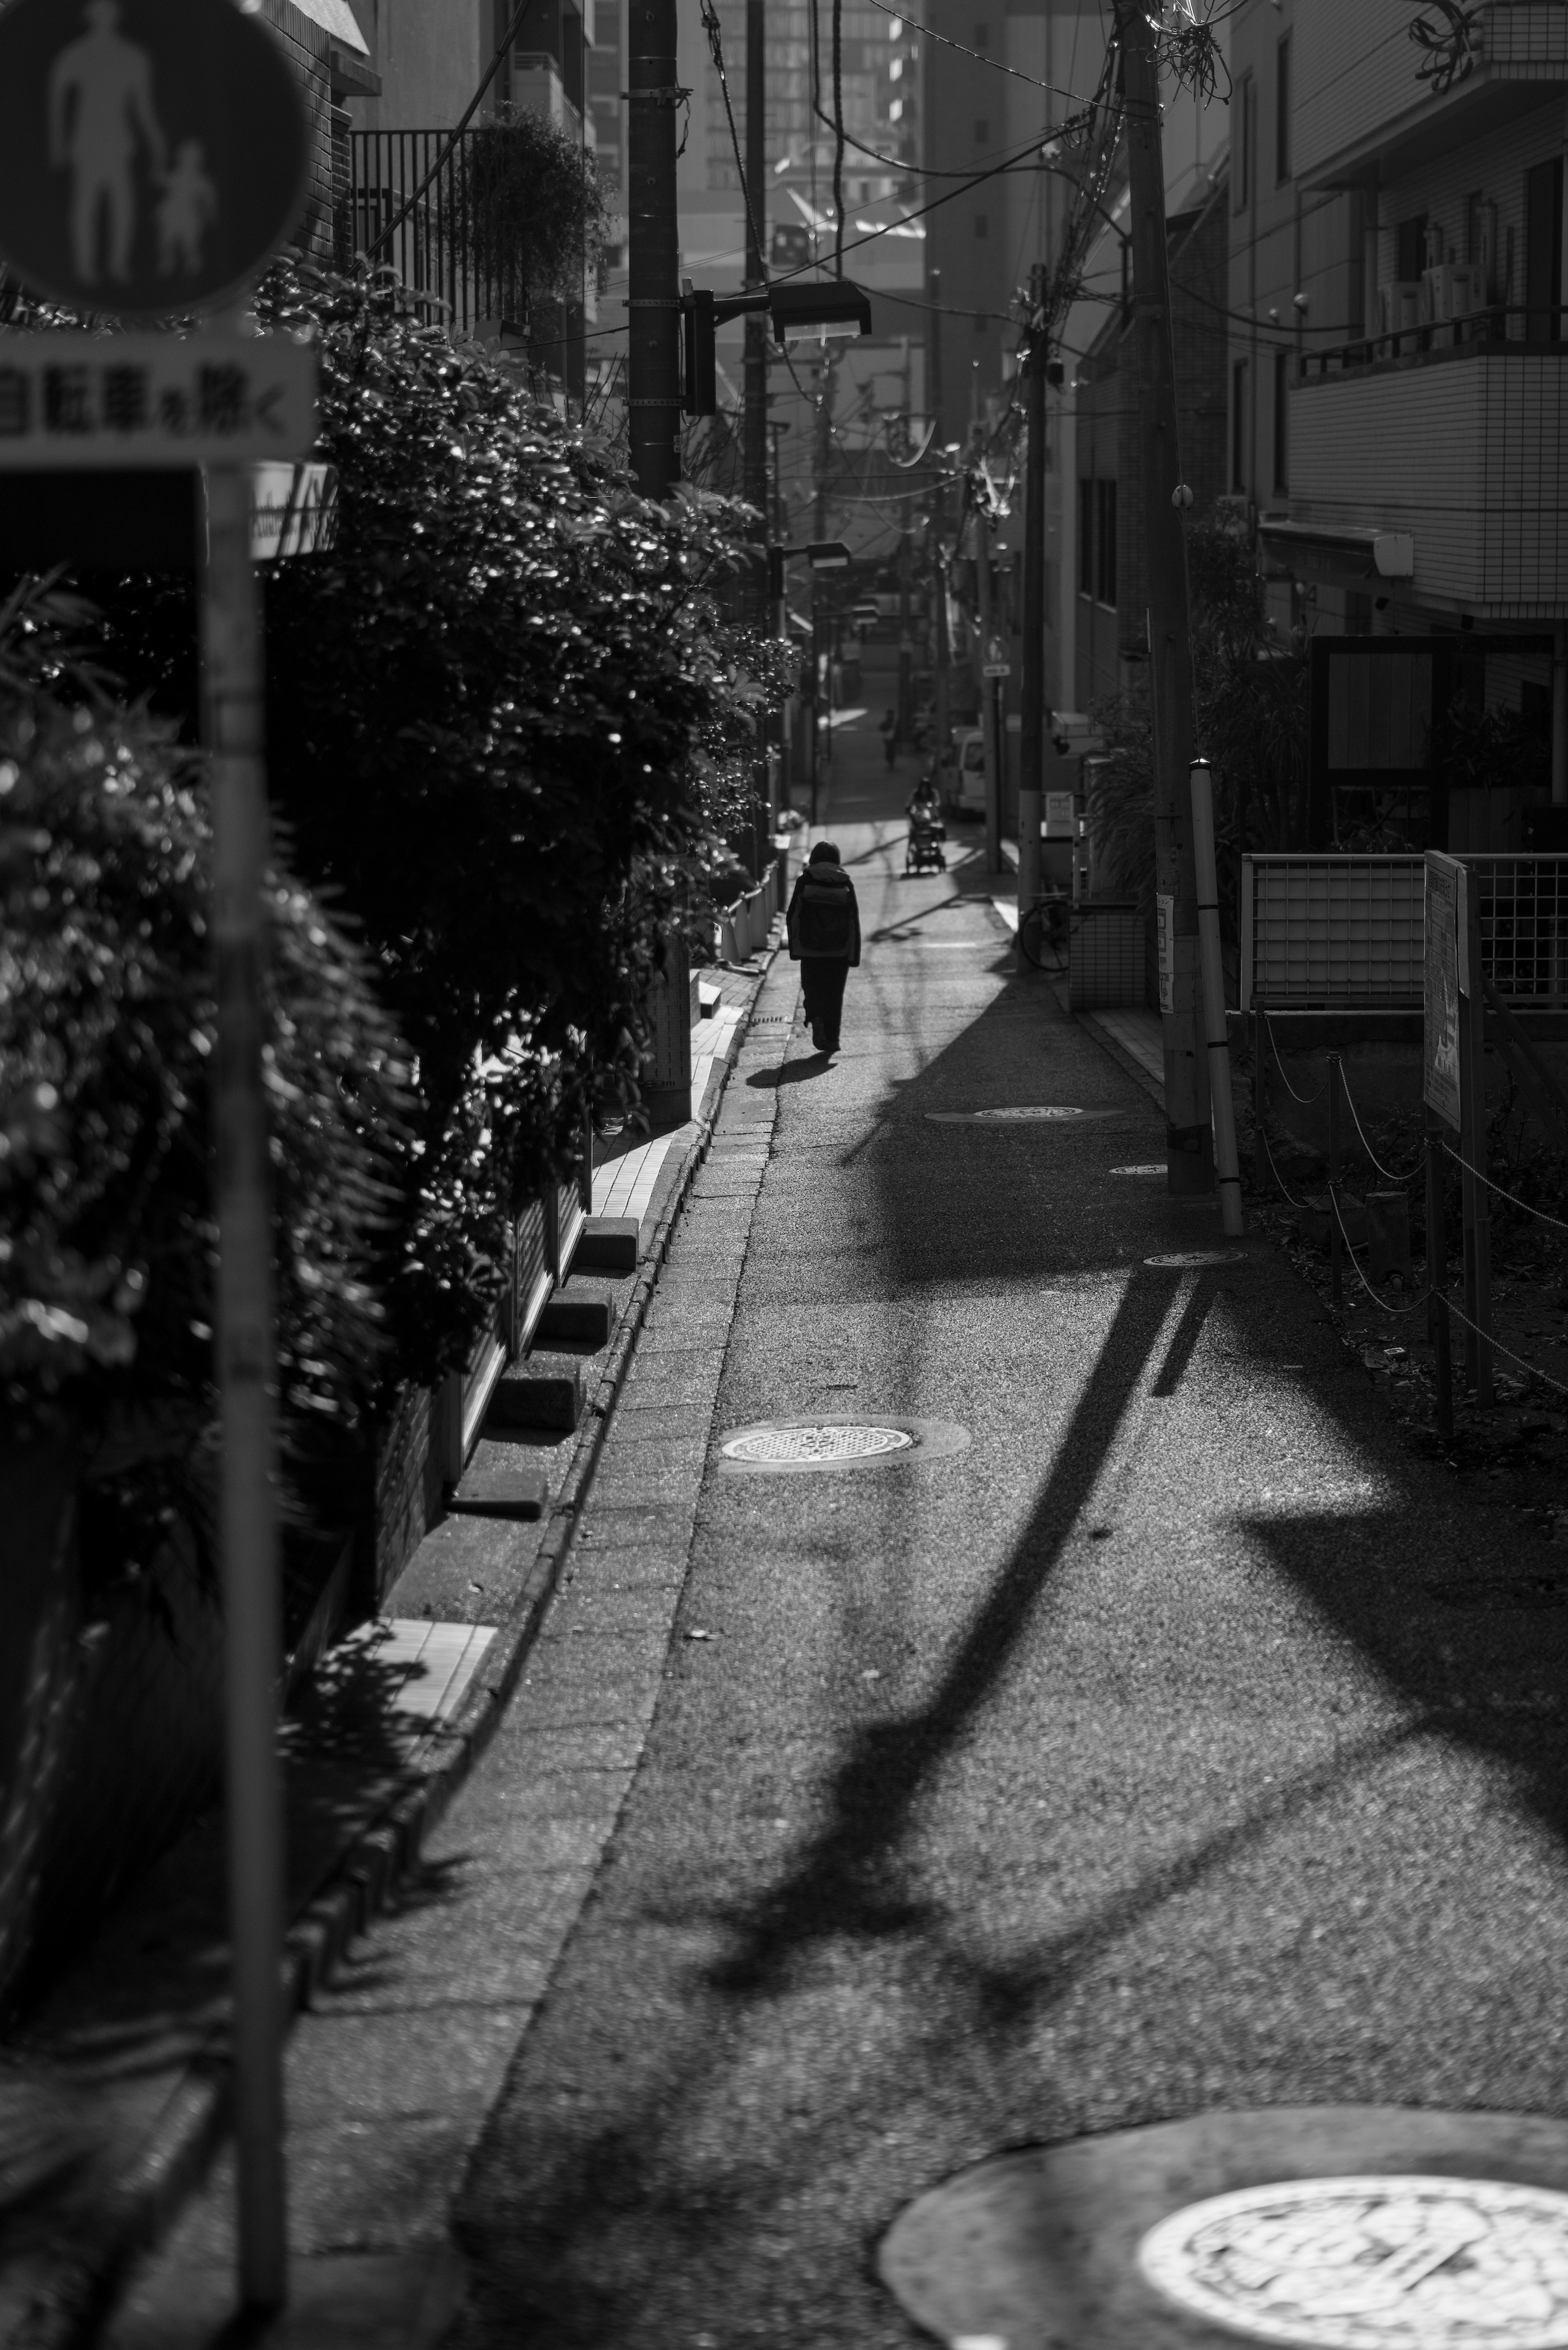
{"x": 1143, "y": 1757}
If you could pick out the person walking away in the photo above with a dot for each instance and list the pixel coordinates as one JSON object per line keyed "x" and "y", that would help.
{"x": 822, "y": 925}
{"x": 888, "y": 731}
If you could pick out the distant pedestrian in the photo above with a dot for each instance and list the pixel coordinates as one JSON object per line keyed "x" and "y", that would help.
{"x": 888, "y": 731}
{"x": 824, "y": 927}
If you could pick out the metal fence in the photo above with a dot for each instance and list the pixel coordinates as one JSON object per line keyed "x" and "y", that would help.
{"x": 1321, "y": 933}
{"x": 449, "y": 246}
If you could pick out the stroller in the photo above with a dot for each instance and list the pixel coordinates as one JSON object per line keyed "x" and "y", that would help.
{"x": 923, "y": 850}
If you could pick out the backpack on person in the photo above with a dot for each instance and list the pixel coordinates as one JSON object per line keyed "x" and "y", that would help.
{"x": 823, "y": 917}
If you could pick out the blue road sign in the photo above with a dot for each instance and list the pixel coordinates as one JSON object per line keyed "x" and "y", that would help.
{"x": 153, "y": 153}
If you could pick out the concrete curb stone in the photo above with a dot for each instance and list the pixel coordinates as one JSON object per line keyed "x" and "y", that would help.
{"x": 58, "y": 2298}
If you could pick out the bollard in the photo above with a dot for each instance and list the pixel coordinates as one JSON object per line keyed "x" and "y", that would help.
{"x": 1260, "y": 1147}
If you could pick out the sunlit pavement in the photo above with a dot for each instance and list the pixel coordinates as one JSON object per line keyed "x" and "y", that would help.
{"x": 1127, "y": 1764}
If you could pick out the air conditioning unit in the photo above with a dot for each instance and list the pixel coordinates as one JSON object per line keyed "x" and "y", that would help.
{"x": 1399, "y": 306}
{"x": 1467, "y": 289}
{"x": 1435, "y": 293}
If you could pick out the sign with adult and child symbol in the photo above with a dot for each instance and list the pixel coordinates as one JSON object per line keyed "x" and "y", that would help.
{"x": 153, "y": 153}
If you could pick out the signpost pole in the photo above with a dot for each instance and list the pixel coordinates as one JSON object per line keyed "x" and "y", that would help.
{"x": 1336, "y": 1260}
{"x": 232, "y": 721}
{"x": 1437, "y": 1273}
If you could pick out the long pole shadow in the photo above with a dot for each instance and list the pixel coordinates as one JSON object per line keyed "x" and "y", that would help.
{"x": 844, "y": 1882}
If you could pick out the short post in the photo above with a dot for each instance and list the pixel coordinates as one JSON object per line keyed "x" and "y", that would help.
{"x": 1335, "y": 1243}
{"x": 1260, "y": 1096}
{"x": 1227, "y": 1171}
{"x": 233, "y": 700}
{"x": 1472, "y": 1145}
{"x": 1437, "y": 1276}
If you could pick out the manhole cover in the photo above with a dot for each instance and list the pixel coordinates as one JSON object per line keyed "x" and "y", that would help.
{"x": 772, "y": 1446}
{"x": 1154, "y": 1167}
{"x": 830, "y": 1441}
{"x": 1182, "y": 1258}
{"x": 1393, "y": 2263}
{"x": 1015, "y": 1114}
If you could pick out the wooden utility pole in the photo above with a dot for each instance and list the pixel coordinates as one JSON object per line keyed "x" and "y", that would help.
{"x": 1032, "y": 719}
{"x": 653, "y": 337}
{"x": 754, "y": 432}
{"x": 1189, "y": 1146}
{"x": 988, "y": 710}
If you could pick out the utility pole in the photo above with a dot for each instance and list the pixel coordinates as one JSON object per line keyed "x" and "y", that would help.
{"x": 941, "y": 715}
{"x": 1031, "y": 723}
{"x": 754, "y": 428}
{"x": 821, "y": 454}
{"x": 653, "y": 337}
{"x": 754, "y": 422}
{"x": 988, "y": 697}
{"x": 1188, "y": 1137}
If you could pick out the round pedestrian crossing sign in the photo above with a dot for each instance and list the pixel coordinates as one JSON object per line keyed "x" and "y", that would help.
{"x": 153, "y": 153}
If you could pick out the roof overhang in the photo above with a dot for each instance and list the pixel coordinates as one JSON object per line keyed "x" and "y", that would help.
{"x": 1431, "y": 129}
{"x": 1333, "y": 551}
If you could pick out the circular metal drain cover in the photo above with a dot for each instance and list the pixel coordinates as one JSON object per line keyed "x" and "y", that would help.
{"x": 1186, "y": 1257}
{"x": 1373, "y": 2263}
{"x": 789, "y": 1446}
{"x": 1015, "y": 1114}
{"x": 804, "y": 1447}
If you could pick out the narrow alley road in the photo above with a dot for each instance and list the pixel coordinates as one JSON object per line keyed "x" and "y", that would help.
{"x": 1128, "y": 1761}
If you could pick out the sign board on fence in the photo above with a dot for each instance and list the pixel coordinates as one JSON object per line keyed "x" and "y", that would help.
{"x": 153, "y": 153}
{"x": 1164, "y": 948}
{"x": 1446, "y": 937}
{"x": 1061, "y": 822}
{"x": 116, "y": 402}
{"x": 997, "y": 669}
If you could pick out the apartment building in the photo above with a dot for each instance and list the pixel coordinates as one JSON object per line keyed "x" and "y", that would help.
{"x": 1400, "y": 443}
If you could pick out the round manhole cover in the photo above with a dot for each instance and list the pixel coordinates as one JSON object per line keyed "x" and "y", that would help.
{"x": 1016, "y": 1114}
{"x": 828, "y": 1441}
{"x": 1372, "y": 2264}
{"x": 1183, "y": 1258}
{"x": 770, "y": 1446}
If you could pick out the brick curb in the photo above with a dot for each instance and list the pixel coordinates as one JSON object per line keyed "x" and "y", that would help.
{"x": 143, "y": 2204}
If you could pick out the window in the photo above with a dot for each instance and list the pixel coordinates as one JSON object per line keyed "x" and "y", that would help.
{"x": 1282, "y": 110}
{"x": 1281, "y": 419}
{"x": 1544, "y": 251}
{"x": 1238, "y": 395}
{"x": 1086, "y": 536}
{"x": 1106, "y": 542}
{"x": 981, "y": 224}
{"x": 1246, "y": 127}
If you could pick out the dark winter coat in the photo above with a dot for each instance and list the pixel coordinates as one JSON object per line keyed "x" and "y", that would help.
{"x": 823, "y": 917}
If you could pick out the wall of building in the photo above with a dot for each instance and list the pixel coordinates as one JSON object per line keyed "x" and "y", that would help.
{"x": 429, "y": 55}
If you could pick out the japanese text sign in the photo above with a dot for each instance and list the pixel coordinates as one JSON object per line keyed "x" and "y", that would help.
{"x": 118, "y": 401}
{"x": 153, "y": 153}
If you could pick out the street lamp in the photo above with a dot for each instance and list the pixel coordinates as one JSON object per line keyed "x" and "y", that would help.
{"x": 813, "y": 313}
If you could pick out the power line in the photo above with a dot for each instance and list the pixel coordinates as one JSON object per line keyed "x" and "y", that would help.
{"x": 1055, "y": 89}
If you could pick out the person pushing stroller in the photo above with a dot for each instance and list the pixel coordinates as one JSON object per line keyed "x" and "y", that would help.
{"x": 823, "y": 926}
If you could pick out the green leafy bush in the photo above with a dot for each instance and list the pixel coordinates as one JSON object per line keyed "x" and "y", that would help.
{"x": 107, "y": 1243}
{"x": 506, "y": 723}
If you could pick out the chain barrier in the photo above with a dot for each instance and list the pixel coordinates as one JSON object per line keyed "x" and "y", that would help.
{"x": 1498, "y": 1349}
{"x": 1306, "y": 1101}
{"x": 1555, "y": 1221}
{"x": 1278, "y": 1177}
{"x": 1383, "y": 1307}
{"x": 1386, "y": 1172}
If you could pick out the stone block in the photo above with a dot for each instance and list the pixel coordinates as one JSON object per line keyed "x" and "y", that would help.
{"x": 578, "y": 1321}
{"x": 608, "y": 1245}
{"x": 550, "y": 1398}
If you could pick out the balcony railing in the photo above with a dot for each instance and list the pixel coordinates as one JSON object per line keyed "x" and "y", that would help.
{"x": 447, "y": 248}
{"x": 1505, "y": 327}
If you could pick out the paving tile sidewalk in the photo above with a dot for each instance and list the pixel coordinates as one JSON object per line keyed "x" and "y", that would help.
{"x": 394, "y": 2069}
{"x": 113, "y": 2097}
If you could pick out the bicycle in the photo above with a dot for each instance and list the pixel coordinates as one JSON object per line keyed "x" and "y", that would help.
{"x": 1042, "y": 931}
